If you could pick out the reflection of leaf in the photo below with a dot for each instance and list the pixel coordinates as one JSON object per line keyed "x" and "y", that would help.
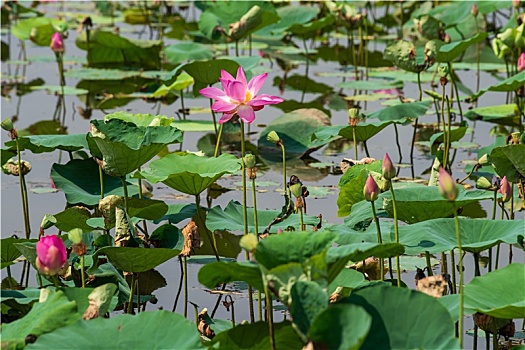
{"x": 509, "y": 161}
{"x": 439, "y": 235}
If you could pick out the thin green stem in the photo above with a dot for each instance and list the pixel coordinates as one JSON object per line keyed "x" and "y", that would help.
{"x": 355, "y": 142}
{"x": 285, "y": 179}
{"x": 211, "y": 237}
{"x": 354, "y": 55}
{"x": 214, "y": 118}
{"x": 185, "y": 286}
{"x": 453, "y": 271}
{"x": 301, "y": 220}
{"x": 396, "y": 233}
{"x": 477, "y": 271}
{"x": 495, "y": 344}
{"x": 255, "y": 219}
{"x": 10, "y": 278}
{"x": 131, "y": 293}
{"x": 218, "y": 143}
{"x": 460, "y": 254}
{"x": 125, "y": 188}
{"x": 429, "y": 265}
{"x": 445, "y": 155}
{"x": 101, "y": 179}
{"x": 419, "y": 86}
{"x": 55, "y": 281}
{"x": 269, "y": 313}
{"x": 83, "y": 276}
{"x": 23, "y": 189}
{"x": 451, "y": 72}
{"x": 379, "y": 240}
{"x": 397, "y": 143}
{"x": 183, "y": 109}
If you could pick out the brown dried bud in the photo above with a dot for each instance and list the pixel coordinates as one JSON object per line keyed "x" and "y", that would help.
{"x": 79, "y": 248}
{"x": 204, "y": 327}
{"x": 299, "y": 203}
{"x": 252, "y": 173}
{"x": 191, "y": 238}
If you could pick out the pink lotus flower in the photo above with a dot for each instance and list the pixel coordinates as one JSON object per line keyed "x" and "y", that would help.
{"x": 239, "y": 97}
{"x": 521, "y": 62}
{"x": 51, "y": 255}
{"x": 57, "y": 44}
{"x": 505, "y": 190}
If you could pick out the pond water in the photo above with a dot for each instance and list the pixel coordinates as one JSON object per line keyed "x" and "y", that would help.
{"x": 37, "y": 106}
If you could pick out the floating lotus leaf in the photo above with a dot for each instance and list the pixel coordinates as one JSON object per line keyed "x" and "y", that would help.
{"x": 187, "y": 51}
{"x": 289, "y": 15}
{"x": 50, "y": 143}
{"x": 397, "y": 312}
{"x": 61, "y": 90}
{"x": 190, "y": 174}
{"x": 490, "y": 294}
{"x": 80, "y": 181}
{"x": 401, "y": 111}
{"x": 419, "y": 203}
{"x": 231, "y": 219}
{"x": 439, "y": 235}
{"x": 509, "y": 161}
{"x": 120, "y": 333}
{"x": 178, "y": 212}
{"x": 126, "y": 146}
{"x": 341, "y": 327}
{"x": 135, "y": 259}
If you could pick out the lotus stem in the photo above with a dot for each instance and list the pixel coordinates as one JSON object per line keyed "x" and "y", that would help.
{"x": 269, "y": 312}
{"x": 125, "y": 187}
{"x": 284, "y": 168}
{"x": 301, "y": 220}
{"x": 453, "y": 271}
{"x": 379, "y": 240}
{"x": 55, "y": 281}
{"x": 218, "y": 143}
{"x": 10, "y": 278}
{"x": 101, "y": 177}
{"x": 419, "y": 86}
{"x": 455, "y": 89}
{"x": 132, "y": 291}
{"x": 355, "y": 142}
{"x": 256, "y": 232}
{"x": 180, "y": 286}
{"x": 354, "y": 57}
{"x": 211, "y": 237}
{"x": 23, "y": 191}
{"x": 461, "y": 295}
{"x": 237, "y": 48}
{"x": 445, "y": 154}
{"x": 214, "y": 119}
{"x": 413, "y": 143}
{"x": 185, "y": 286}
{"x": 398, "y": 144}
{"x": 83, "y": 276}
{"x": 495, "y": 344}
{"x": 366, "y": 149}
{"x": 259, "y": 305}
{"x": 477, "y": 57}
{"x": 429, "y": 265}
{"x": 396, "y": 232}
{"x": 183, "y": 110}
{"x": 448, "y": 131}
{"x": 477, "y": 271}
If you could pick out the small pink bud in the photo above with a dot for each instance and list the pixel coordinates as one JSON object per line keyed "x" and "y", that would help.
{"x": 51, "y": 255}
{"x": 389, "y": 171}
{"x": 447, "y": 38}
{"x": 371, "y": 190}
{"x": 505, "y": 190}
{"x": 447, "y": 185}
{"x": 521, "y": 62}
{"x": 474, "y": 10}
{"x": 57, "y": 44}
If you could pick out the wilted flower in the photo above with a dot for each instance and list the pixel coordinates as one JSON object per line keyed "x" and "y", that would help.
{"x": 447, "y": 185}
{"x": 389, "y": 171}
{"x": 371, "y": 190}
{"x": 505, "y": 190}
{"x": 521, "y": 62}
{"x": 57, "y": 44}
{"x": 239, "y": 97}
{"x": 51, "y": 255}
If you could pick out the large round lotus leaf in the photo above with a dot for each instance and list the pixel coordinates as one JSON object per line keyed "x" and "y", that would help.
{"x": 189, "y": 51}
{"x": 126, "y": 146}
{"x": 55, "y": 313}
{"x": 296, "y": 129}
{"x": 164, "y": 330}
{"x": 256, "y": 336}
{"x": 341, "y": 327}
{"x": 493, "y": 113}
{"x": 401, "y": 111}
{"x": 404, "y": 319}
{"x": 439, "y": 235}
{"x": 308, "y": 300}
{"x": 50, "y": 143}
{"x": 231, "y": 219}
{"x": 219, "y": 272}
{"x": 208, "y": 72}
{"x": 139, "y": 119}
{"x": 510, "y": 84}
{"x": 420, "y": 203}
{"x": 498, "y": 293}
{"x": 190, "y": 174}
{"x": 24, "y": 28}
{"x": 509, "y": 161}
{"x": 136, "y": 259}
{"x": 448, "y": 52}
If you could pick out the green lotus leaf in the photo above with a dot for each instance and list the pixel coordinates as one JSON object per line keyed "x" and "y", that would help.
{"x": 9, "y": 251}
{"x": 50, "y": 143}
{"x": 397, "y": 312}
{"x": 304, "y": 84}
{"x": 168, "y": 236}
{"x": 509, "y": 161}
{"x": 406, "y": 56}
{"x": 178, "y": 212}
{"x": 73, "y": 217}
{"x": 55, "y": 313}
{"x": 101, "y": 74}
{"x": 308, "y": 301}
{"x": 363, "y": 131}
{"x": 338, "y": 257}
{"x": 289, "y": 15}
{"x": 254, "y": 19}
{"x": 135, "y": 259}
{"x": 508, "y": 85}
{"x": 183, "y": 81}
{"x": 141, "y": 120}
{"x": 481, "y": 291}
{"x": 455, "y": 135}
{"x": 311, "y": 29}
{"x": 355, "y": 170}
{"x": 22, "y": 297}
{"x": 295, "y": 129}
{"x": 290, "y": 247}
{"x": 120, "y": 333}
{"x": 347, "y": 278}
{"x": 208, "y": 72}
{"x": 213, "y": 274}
{"x": 6, "y": 155}
{"x": 46, "y": 26}
{"x": 231, "y": 219}
{"x": 61, "y": 90}
{"x": 190, "y": 174}
{"x": 352, "y": 191}
{"x": 449, "y": 52}
{"x": 439, "y": 235}
{"x": 28, "y": 250}
{"x": 107, "y": 49}
{"x": 401, "y": 111}
{"x": 419, "y": 203}
{"x": 126, "y": 146}
{"x": 188, "y": 51}
{"x": 103, "y": 294}
{"x": 80, "y": 181}
{"x": 493, "y": 113}
{"x": 341, "y": 327}
{"x": 256, "y": 336}
{"x": 194, "y": 125}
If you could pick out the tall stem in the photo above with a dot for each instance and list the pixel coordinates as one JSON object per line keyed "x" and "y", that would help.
{"x": 185, "y": 286}
{"x": 379, "y": 240}
{"x": 83, "y": 276}
{"x": 218, "y": 142}
{"x": 214, "y": 118}
{"x": 211, "y": 237}
{"x": 125, "y": 187}
{"x": 429, "y": 265}
{"x": 284, "y": 168}
{"x": 132, "y": 291}
{"x": 419, "y": 86}
{"x": 23, "y": 191}
{"x": 355, "y": 142}
{"x": 453, "y": 271}
{"x": 101, "y": 179}
{"x": 460, "y": 253}
{"x": 398, "y": 144}
{"x": 396, "y": 233}
{"x": 269, "y": 313}
{"x": 451, "y": 72}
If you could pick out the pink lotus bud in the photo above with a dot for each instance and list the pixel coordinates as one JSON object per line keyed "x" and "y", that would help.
{"x": 505, "y": 190}
{"x": 389, "y": 171}
{"x": 57, "y": 44}
{"x": 51, "y": 255}
{"x": 447, "y": 185}
{"x": 447, "y": 38}
{"x": 474, "y": 10}
{"x": 521, "y": 62}
{"x": 370, "y": 191}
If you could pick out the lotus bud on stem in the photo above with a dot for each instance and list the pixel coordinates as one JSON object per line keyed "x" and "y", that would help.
{"x": 388, "y": 172}
{"x": 370, "y": 192}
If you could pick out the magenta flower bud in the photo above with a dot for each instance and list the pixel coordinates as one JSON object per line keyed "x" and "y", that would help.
{"x": 447, "y": 185}
{"x": 57, "y": 44}
{"x": 474, "y": 10}
{"x": 51, "y": 255}
{"x": 505, "y": 190}
{"x": 389, "y": 171}
{"x": 521, "y": 62}
{"x": 371, "y": 190}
